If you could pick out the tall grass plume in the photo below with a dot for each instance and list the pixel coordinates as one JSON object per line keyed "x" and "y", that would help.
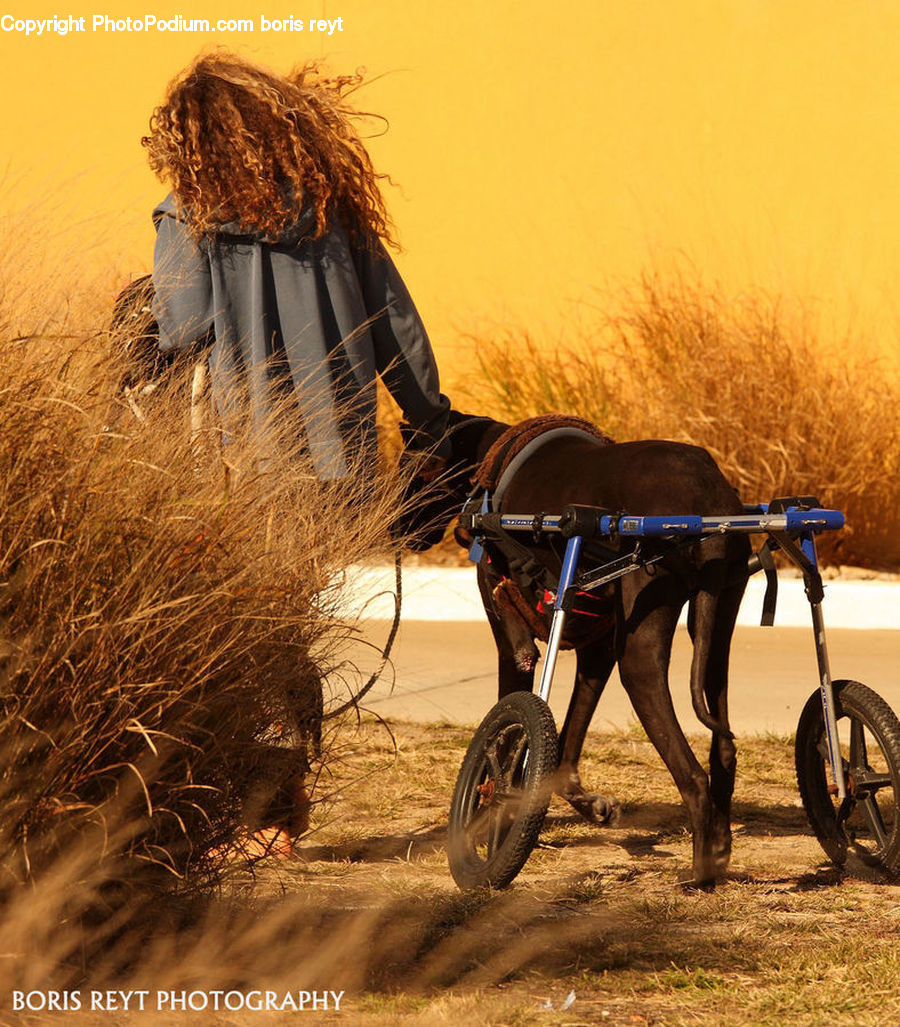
{"x": 169, "y": 620}
{"x": 781, "y": 412}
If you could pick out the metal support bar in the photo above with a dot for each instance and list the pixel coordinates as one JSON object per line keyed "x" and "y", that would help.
{"x": 676, "y": 525}
{"x": 556, "y": 630}
{"x": 807, "y": 559}
{"x": 566, "y": 576}
{"x": 614, "y": 570}
{"x": 827, "y": 693}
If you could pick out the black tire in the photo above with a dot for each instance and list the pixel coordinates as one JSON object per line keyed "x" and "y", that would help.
{"x": 502, "y": 792}
{"x": 867, "y": 826}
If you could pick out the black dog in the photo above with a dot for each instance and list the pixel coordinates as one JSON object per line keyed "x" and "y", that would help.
{"x": 648, "y": 477}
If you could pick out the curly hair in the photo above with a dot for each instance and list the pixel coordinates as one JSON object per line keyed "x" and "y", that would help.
{"x": 238, "y": 143}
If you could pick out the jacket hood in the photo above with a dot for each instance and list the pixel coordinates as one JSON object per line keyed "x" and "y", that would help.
{"x": 303, "y": 227}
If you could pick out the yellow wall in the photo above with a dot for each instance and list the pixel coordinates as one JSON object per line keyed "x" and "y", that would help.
{"x": 540, "y": 149}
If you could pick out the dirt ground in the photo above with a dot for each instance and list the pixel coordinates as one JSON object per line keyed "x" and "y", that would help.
{"x": 597, "y": 928}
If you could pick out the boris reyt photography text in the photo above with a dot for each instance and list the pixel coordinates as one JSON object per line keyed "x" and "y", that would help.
{"x": 118, "y": 1001}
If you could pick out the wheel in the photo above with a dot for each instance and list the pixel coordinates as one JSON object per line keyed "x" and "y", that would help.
{"x": 867, "y": 824}
{"x": 502, "y": 792}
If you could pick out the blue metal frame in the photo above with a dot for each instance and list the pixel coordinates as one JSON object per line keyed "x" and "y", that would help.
{"x": 756, "y": 519}
{"x": 785, "y": 526}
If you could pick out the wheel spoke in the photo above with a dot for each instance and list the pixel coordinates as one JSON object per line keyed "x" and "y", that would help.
{"x": 822, "y": 746}
{"x": 858, "y": 754}
{"x": 867, "y": 782}
{"x": 494, "y": 760}
{"x": 515, "y": 755}
{"x": 872, "y": 779}
{"x": 872, "y": 814}
{"x": 496, "y": 825}
{"x": 476, "y": 826}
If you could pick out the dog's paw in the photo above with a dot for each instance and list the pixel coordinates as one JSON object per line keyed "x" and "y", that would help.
{"x": 597, "y": 809}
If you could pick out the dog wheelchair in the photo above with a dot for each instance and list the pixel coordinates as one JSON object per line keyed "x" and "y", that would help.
{"x": 847, "y": 749}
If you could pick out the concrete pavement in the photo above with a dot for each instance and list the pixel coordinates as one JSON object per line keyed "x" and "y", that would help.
{"x": 447, "y": 671}
{"x": 451, "y": 593}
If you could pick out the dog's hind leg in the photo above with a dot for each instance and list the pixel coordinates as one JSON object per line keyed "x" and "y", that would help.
{"x": 595, "y": 663}
{"x": 648, "y": 617}
{"x": 711, "y": 623}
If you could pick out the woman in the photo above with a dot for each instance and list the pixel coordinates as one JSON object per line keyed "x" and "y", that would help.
{"x": 273, "y": 236}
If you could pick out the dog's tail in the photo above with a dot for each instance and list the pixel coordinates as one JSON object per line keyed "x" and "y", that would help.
{"x": 711, "y": 618}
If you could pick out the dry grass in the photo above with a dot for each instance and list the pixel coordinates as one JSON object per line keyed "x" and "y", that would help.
{"x": 162, "y": 609}
{"x": 170, "y": 624}
{"x": 744, "y": 377}
{"x": 367, "y": 906}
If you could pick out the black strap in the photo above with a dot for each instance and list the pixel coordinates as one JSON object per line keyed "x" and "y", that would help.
{"x": 354, "y": 700}
{"x": 767, "y": 562}
{"x": 527, "y": 571}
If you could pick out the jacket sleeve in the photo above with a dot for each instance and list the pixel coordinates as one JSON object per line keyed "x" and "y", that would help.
{"x": 183, "y": 297}
{"x": 403, "y": 354}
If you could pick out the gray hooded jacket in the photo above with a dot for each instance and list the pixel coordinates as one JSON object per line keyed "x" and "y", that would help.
{"x": 323, "y": 314}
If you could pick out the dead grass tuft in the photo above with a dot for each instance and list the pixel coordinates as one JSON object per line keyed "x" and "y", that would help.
{"x": 171, "y": 623}
{"x": 745, "y": 377}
